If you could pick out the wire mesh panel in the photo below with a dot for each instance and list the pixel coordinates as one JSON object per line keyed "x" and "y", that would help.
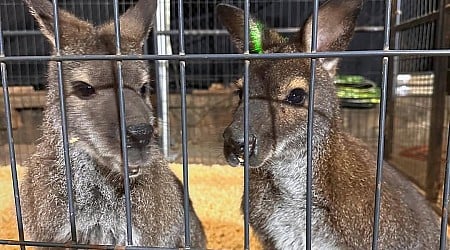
{"x": 414, "y": 79}
{"x": 22, "y": 38}
{"x": 211, "y": 99}
{"x": 203, "y": 35}
{"x": 95, "y": 40}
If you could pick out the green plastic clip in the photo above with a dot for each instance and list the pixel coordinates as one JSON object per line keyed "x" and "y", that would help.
{"x": 256, "y": 33}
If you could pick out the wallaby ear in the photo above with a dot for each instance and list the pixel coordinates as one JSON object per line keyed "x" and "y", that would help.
{"x": 42, "y": 10}
{"x": 336, "y": 25}
{"x": 136, "y": 22}
{"x": 260, "y": 38}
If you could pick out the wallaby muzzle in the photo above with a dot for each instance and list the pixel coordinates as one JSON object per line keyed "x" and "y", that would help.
{"x": 234, "y": 148}
{"x": 261, "y": 140}
{"x": 139, "y": 135}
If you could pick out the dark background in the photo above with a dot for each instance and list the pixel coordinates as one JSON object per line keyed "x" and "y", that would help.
{"x": 22, "y": 38}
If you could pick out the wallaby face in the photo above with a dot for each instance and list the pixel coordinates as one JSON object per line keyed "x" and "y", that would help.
{"x": 343, "y": 168}
{"x": 91, "y": 86}
{"x": 279, "y": 88}
{"x": 93, "y": 108}
{"x": 92, "y": 105}
{"x": 279, "y": 109}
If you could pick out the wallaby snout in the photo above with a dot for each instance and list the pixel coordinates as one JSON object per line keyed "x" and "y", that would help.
{"x": 138, "y": 138}
{"x": 261, "y": 135}
{"x": 139, "y": 135}
{"x": 234, "y": 146}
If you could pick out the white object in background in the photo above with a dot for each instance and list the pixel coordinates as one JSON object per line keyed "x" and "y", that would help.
{"x": 414, "y": 84}
{"x": 163, "y": 47}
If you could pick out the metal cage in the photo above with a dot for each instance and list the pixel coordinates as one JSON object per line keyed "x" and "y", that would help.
{"x": 202, "y": 35}
{"x": 417, "y": 96}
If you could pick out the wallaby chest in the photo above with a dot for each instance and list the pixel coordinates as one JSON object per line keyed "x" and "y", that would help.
{"x": 100, "y": 210}
{"x": 278, "y": 211}
{"x": 99, "y": 231}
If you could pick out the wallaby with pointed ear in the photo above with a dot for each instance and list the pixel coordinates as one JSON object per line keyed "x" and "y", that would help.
{"x": 92, "y": 109}
{"x": 343, "y": 169}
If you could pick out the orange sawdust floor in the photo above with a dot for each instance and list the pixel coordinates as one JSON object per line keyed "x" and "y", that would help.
{"x": 215, "y": 192}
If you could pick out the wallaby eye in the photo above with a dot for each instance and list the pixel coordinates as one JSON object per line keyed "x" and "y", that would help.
{"x": 83, "y": 90}
{"x": 296, "y": 97}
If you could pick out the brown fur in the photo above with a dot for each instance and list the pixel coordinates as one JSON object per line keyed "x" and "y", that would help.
{"x": 95, "y": 146}
{"x": 343, "y": 168}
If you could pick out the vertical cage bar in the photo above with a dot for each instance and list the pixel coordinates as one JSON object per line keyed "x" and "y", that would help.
{"x": 444, "y": 219}
{"x": 246, "y": 157}
{"x": 246, "y": 127}
{"x": 187, "y": 236}
{"x": 162, "y": 46}
{"x": 12, "y": 153}
{"x": 394, "y": 68}
{"x": 161, "y": 100}
{"x": 123, "y": 126}
{"x": 381, "y": 124}
{"x": 309, "y": 145}
{"x": 64, "y": 127}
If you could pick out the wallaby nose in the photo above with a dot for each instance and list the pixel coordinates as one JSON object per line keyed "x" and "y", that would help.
{"x": 139, "y": 135}
{"x": 234, "y": 144}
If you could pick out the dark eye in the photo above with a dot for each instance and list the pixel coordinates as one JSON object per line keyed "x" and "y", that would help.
{"x": 145, "y": 89}
{"x": 83, "y": 90}
{"x": 296, "y": 97}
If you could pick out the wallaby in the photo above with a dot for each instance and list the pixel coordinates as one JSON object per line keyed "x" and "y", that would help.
{"x": 343, "y": 168}
{"x": 92, "y": 109}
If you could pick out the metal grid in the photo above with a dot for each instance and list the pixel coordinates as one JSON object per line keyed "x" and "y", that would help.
{"x": 418, "y": 118}
{"x": 203, "y": 35}
{"x": 181, "y": 59}
{"x": 22, "y": 38}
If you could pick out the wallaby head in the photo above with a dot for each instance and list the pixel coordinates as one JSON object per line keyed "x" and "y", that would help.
{"x": 279, "y": 88}
{"x": 90, "y": 87}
